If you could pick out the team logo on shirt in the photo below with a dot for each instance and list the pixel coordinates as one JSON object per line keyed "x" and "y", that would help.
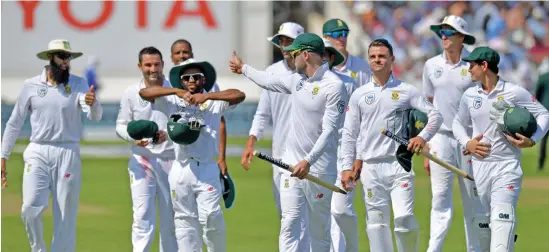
{"x": 341, "y": 106}
{"x": 394, "y": 96}
{"x": 500, "y": 97}
{"x": 299, "y": 85}
{"x": 427, "y": 101}
{"x": 464, "y": 72}
{"x": 286, "y": 183}
{"x": 42, "y": 91}
{"x": 173, "y": 194}
{"x": 143, "y": 102}
{"x": 370, "y": 194}
{"x": 353, "y": 75}
{"x": 67, "y": 89}
{"x": 370, "y": 98}
{"x": 315, "y": 90}
{"x": 203, "y": 106}
{"x": 477, "y": 103}
{"x": 438, "y": 72}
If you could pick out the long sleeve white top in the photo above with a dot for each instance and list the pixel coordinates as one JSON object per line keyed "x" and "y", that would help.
{"x": 474, "y": 108}
{"x": 133, "y": 107}
{"x": 318, "y": 104}
{"x": 373, "y": 108}
{"x": 55, "y": 112}
{"x": 274, "y": 107}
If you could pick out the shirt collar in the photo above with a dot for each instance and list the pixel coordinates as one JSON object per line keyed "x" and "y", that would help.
{"x": 464, "y": 53}
{"x": 347, "y": 64}
{"x": 319, "y": 72}
{"x": 389, "y": 82}
{"x": 44, "y": 78}
{"x": 500, "y": 85}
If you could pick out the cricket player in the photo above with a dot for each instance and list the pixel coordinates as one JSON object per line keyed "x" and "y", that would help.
{"x": 445, "y": 78}
{"x": 276, "y": 107}
{"x": 373, "y": 107}
{"x": 496, "y": 156}
{"x": 55, "y": 100}
{"x": 181, "y": 51}
{"x": 318, "y": 100}
{"x": 150, "y": 162}
{"x": 344, "y": 223}
{"x": 196, "y": 189}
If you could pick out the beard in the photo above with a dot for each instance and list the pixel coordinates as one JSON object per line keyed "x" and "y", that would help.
{"x": 58, "y": 74}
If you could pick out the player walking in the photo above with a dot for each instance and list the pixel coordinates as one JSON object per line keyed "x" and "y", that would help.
{"x": 445, "y": 78}
{"x": 344, "y": 223}
{"x": 373, "y": 107}
{"x": 193, "y": 125}
{"x": 150, "y": 162}
{"x": 496, "y": 156}
{"x": 317, "y": 95}
{"x": 55, "y": 100}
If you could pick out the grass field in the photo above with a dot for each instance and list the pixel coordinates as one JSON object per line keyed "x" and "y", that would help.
{"x": 105, "y": 216}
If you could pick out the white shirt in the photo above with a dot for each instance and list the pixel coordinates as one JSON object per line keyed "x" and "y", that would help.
{"x": 373, "y": 108}
{"x": 317, "y": 110}
{"x": 356, "y": 68}
{"x": 205, "y": 148}
{"x": 55, "y": 112}
{"x": 133, "y": 107}
{"x": 474, "y": 108}
{"x": 446, "y": 83}
{"x": 275, "y": 107}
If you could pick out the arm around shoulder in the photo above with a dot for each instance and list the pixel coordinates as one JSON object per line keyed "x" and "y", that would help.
{"x": 232, "y": 96}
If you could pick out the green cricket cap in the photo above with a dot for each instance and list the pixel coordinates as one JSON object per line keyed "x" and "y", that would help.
{"x": 334, "y": 25}
{"x": 416, "y": 122}
{"x": 487, "y": 54}
{"x": 229, "y": 190}
{"x": 139, "y": 129}
{"x": 519, "y": 120}
{"x": 183, "y": 132}
{"x": 307, "y": 41}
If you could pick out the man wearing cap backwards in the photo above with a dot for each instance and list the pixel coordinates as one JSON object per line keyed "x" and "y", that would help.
{"x": 55, "y": 100}
{"x": 318, "y": 100}
{"x": 193, "y": 124}
{"x": 381, "y": 104}
{"x": 151, "y": 157}
{"x": 342, "y": 208}
{"x": 275, "y": 107}
{"x": 496, "y": 156}
{"x": 445, "y": 78}
{"x": 181, "y": 51}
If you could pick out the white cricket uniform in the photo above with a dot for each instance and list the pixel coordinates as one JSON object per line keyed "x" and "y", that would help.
{"x": 446, "y": 83}
{"x": 343, "y": 230}
{"x": 195, "y": 181}
{"x": 371, "y": 109}
{"x": 148, "y": 169}
{"x": 317, "y": 109}
{"x": 498, "y": 177}
{"x": 52, "y": 159}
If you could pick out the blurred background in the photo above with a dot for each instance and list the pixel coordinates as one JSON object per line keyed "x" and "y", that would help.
{"x": 110, "y": 34}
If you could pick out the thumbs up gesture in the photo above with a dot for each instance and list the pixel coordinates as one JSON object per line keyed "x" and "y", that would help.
{"x": 90, "y": 96}
{"x": 236, "y": 64}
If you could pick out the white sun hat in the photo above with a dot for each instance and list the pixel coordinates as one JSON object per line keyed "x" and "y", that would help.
{"x": 288, "y": 29}
{"x": 457, "y": 23}
{"x": 58, "y": 45}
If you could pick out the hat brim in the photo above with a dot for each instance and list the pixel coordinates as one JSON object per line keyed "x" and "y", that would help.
{"x": 291, "y": 47}
{"x": 207, "y": 69}
{"x": 468, "y": 40}
{"x": 468, "y": 59}
{"x": 44, "y": 55}
{"x": 339, "y": 58}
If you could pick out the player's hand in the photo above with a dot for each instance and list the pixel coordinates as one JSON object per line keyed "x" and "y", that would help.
{"x": 416, "y": 144}
{"x": 465, "y": 152}
{"x": 183, "y": 94}
{"x": 222, "y": 164}
{"x": 477, "y": 148}
{"x": 357, "y": 168}
{"x": 247, "y": 156}
{"x": 348, "y": 180}
{"x": 161, "y": 136}
{"x": 236, "y": 64}
{"x": 521, "y": 142}
{"x": 197, "y": 99}
{"x": 426, "y": 164}
{"x": 90, "y": 96}
{"x": 301, "y": 169}
{"x": 4, "y": 174}
{"x": 141, "y": 143}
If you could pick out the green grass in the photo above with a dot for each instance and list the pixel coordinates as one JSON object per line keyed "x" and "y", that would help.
{"x": 231, "y": 141}
{"x": 104, "y": 220}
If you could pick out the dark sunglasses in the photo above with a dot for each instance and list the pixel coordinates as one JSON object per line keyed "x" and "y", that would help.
{"x": 447, "y": 32}
{"x": 63, "y": 56}
{"x": 337, "y": 34}
{"x": 196, "y": 76}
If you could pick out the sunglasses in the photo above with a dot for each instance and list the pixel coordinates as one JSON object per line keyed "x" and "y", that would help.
{"x": 295, "y": 53}
{"x": 337, "y": 34}
{"x": 63, "y": 56}
{"x": 447, "y": 32}
{"x": 195, "y": 76}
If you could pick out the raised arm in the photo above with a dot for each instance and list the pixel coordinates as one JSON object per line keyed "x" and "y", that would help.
{"x": 421, "y": 103}
{"x": 232, "y": 96}
{"x": 151, "y": 93}
{"x": 89, "y": 103}
{"x": 16, "y": 121}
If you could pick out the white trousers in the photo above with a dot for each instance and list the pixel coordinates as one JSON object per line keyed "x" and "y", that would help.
{"x": 149, "y": 182}
{"x": 344, "y": 227}
{"x": 54, "y": 168}
{"x": 300, "y": 199}
{"x": 445, "y": 146}
{"x": 385, "y": 182}
{"x": 196, "y": 196}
